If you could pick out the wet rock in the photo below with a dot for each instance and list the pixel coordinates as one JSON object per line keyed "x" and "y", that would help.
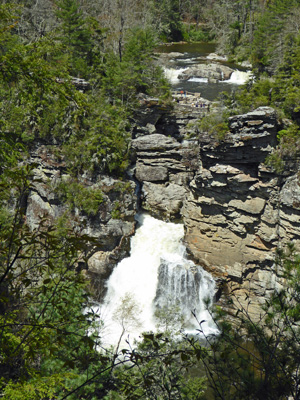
{"x": 217, "y": 57}
{"x": 163, "y": 200}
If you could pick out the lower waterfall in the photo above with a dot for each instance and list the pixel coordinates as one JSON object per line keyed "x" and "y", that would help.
{"x": 156, "y": 286}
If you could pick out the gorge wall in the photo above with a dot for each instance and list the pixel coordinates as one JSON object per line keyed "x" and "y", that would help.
{"x": 236, "y": 211}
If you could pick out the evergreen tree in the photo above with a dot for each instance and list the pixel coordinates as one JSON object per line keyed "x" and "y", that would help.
{"x": 75, "y": 35}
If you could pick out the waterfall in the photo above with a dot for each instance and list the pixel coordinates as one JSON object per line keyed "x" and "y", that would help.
{"x": 172, "y": 74}
{"x": 155, "y": 281}
{"x": 239, "y": 77}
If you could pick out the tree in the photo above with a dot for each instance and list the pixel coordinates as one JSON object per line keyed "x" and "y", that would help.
{"x": 75, "y": 34}
{"x": 137, "y": 72}
{"x": 167, "y": 14}
{"x": 41, "y": 296}
{"x": 119, "y": 16}
{"x": 36, "y": 20}
{"x": 159, "y": 368}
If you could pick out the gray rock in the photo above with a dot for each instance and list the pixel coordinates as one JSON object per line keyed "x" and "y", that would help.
{"x": 165, "y": 200}
{"x": 213, "y": 72}
{"x": 155, "y": 142}
{"x": 151, "y": 173}
{"x": 214, "y": 56}
{"x": 251, "y": 206}
{"x": 290, "y": 193}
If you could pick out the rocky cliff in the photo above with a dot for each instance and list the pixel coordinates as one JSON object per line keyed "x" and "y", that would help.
{"x": 236, "y": 211}
{"x": 110, "y": 228}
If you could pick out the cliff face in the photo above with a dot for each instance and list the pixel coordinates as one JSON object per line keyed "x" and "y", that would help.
{"x": 236, "y": 211}
{"x": 165, "y": 160}
{"x": 111, "y": 227}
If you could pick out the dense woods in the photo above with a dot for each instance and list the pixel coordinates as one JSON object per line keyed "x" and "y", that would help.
{"x": 70, "y": 75}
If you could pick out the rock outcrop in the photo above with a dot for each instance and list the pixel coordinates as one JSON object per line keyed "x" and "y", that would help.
{"x": 165, "y": 160}
{"x": 110, "y": 228}
{"x": 213, "y": 72}
{"x": 232, "y": 212}
{"x": 235, "y": 209}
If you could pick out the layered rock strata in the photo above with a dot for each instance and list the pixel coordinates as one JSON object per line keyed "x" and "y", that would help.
{"x": 165, "y": 154}
{"x": 236, "y": 211}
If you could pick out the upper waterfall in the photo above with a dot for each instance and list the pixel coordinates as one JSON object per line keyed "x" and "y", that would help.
{"x": 155, "y": 277}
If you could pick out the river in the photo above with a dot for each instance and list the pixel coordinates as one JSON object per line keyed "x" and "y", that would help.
{"x": 190, "y": 54}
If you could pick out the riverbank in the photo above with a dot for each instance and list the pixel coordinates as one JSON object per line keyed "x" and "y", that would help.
{"x": 191, "y": 100}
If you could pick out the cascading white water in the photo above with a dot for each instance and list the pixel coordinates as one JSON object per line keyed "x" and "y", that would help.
{"x": 195, "y": 79}
{"x": 172, "y": 74}
{"x": 239, "y": 77}
{"x": 156, "y": 277}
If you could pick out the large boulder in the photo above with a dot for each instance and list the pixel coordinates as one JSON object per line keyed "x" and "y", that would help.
{"x": 213, "y": 72}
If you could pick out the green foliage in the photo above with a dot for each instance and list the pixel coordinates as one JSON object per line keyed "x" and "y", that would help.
{"x": 281, "y": 92}
{"x": 275, "y": 161}
{"x": 49, "y": 347}
{"x": 77, "y": 36}
{"x": 167, "y": 12}
{"x": 36, "y": 389}
{"x": 34, "y": 102}
{"x": 194, "y": 33}
{"x": 47, "y": 344}
{"x": 103, "y": 144}
{"x": 254, "y": 95}
{"x": 271, "y": 26}
{"x": 292, "y": 131}
{"x": 74, "y": 35}
{"x": 116, "y": 211}
{"x": 161, "y": 372}
{"x": 39, "y": 100}
{"x": 76, "y": 195}
{"x": 136, "y": 72}
{"x": 214, "y": 124}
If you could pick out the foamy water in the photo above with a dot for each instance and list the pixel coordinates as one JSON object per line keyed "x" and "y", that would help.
{"x": 195, "y": 79}
{"x": 155, "y": 276}
{"x": 239, "y": 77}
{"x": 172, "y": 74}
